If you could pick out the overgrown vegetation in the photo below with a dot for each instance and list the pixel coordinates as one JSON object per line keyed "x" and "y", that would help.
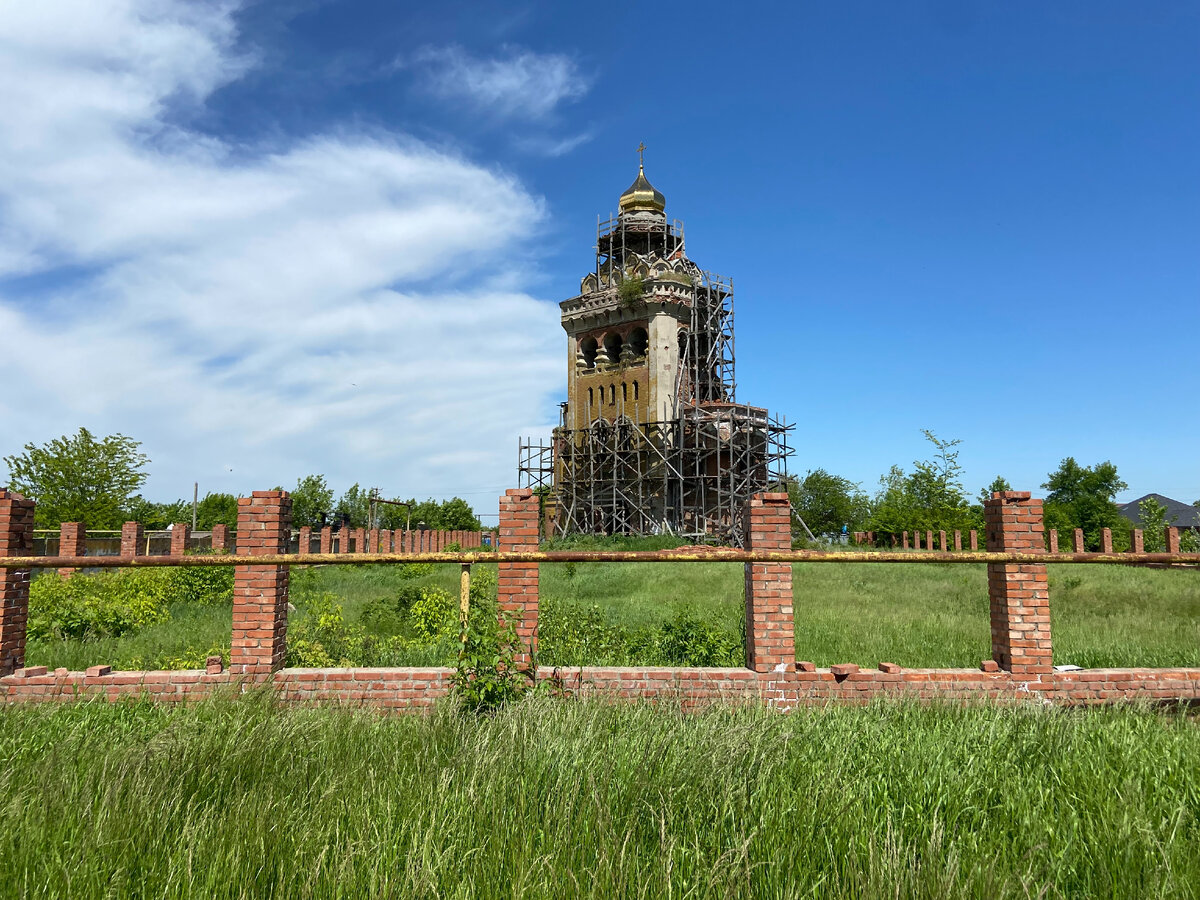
{"x": 577, "y": 799}
{"x": 647, "y": 614}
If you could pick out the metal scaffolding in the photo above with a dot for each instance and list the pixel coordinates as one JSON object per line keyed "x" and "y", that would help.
{"x": 691, "y": 471}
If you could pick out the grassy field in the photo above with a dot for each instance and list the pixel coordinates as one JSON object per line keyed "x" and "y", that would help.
{"x": 552, "y": 799}
{"x": 917, "y": 615}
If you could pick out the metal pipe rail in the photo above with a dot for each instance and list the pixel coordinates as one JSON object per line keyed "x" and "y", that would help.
{"x": 551, "y": 556}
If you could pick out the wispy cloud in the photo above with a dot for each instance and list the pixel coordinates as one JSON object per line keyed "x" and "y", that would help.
{"x": 520, "y": 84}
{"x": 348, "y": 304}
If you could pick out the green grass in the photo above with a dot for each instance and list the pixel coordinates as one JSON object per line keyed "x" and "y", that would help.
{"x": 919, "y": 615}
{"x": 568, "y": 799}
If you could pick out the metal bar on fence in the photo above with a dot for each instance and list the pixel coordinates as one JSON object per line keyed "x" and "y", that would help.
{"x": 634, "y": 556}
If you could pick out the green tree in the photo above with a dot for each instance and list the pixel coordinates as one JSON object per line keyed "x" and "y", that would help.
{"x": 999, "y": 484}
{"x": 79, "y": 478}
{"x": 216, "y": 509}
{"x": 354, "y": 505}
{"x": 932, "y": 497}
{"x": 311, "y": 500}
{"x": 1085, "y": 497}
{"x": 827, "y": 502}
{"x": 1152, "y": 516}
{"x": 156, "y": 516}
{"x": 456, "y": 514}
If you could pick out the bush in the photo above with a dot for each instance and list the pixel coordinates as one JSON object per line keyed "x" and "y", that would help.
{"x": 487, "y": 676}
{"x": 572, "y": 634}
{"x": 202, "y": 584}
{"x": 689, "y": 641}
{"x": 323, "y": 637}
{"x": 433, "y": 616}
{"x": 109, "y": 604}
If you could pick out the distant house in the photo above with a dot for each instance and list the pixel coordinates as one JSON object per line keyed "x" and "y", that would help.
{"x": 1181, "y": 515}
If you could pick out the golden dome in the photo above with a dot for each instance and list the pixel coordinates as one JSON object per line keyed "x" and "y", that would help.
{"x": 642, "y": 197}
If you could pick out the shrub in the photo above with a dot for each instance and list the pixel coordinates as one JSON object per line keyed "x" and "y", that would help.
{"x": 202, "y": 584}
{"x": 689, "y": 641}
{"x": 109, "y": 604}
{"x": 324, "y": 638}
{"x": 433, "y": 616}
{"x": 487, "y": 676}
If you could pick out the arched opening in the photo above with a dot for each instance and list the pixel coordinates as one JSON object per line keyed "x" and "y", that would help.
{"x": 591, "y": 399}
{"x": 612, "y": 347}
{"x": 588, "y": 348}
{"x": 635, "y": 391}
{"x": 612, "y": 394}
{"x": 638, "y": 341}
{"x": 624, "y": 392}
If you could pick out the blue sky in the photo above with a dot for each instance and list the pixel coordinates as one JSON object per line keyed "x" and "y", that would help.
{"x": 276, "y": 238}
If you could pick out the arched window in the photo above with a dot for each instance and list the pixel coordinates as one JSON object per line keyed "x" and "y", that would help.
{"x": 588, "y": 348}
{"x": 612, "y": 346}
{"x": 638, "y": 341}
{"x": 624, "y": 392}
{"x": 591, "y": 398}
{"x": 612, "y": 394}
{"x": 635, "y": 391}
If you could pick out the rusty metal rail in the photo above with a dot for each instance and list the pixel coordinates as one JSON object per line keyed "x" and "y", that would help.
{"x": 685, "y": 554}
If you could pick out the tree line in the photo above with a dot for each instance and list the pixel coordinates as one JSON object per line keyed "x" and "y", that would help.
{"x": 931, "y": 497}
{"x": 98, "y": 481}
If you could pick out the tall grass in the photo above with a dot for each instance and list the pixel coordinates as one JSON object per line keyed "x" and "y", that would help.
{"x": 566, "y": 799}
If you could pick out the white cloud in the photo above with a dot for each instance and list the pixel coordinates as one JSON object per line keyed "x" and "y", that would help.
{"x": 343, "y": 305}
{"x": 521, "y": 85}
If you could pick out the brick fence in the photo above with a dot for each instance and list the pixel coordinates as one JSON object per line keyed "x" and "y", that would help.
{"x": 1019, "y": 608}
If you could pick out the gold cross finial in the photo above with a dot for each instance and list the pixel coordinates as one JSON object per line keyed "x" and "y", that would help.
{"x": 641, "y": 160}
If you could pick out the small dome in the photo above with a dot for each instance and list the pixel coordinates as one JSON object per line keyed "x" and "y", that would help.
{"x": 642, "y": 197}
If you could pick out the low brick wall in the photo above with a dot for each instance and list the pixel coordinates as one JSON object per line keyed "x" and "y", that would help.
{"x": 403, "y": 689}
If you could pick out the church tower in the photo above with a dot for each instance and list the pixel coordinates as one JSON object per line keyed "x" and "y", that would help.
{"x": 651, "y": 438}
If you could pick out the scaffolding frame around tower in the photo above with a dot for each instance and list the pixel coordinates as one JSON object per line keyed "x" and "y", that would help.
{"x": 690, "y": 472}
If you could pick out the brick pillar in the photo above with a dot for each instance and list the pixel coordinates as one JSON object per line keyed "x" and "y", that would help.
{"x": 916, "y": 540}
{"x": 133, "y": 536}
{"x": 16, "y": 539}
{"x": 1020, "y": 603}
{"x": 1077, "y": 543}
{"x": 957, "y": 540}
{"x": 1137, "y": 543}
{"x": 1171, "y": 534}
{"x": 1106, "y": 540}
{"x": 518, "y": 582}
{"x": 904, "y": 539}
{"x": 1053, "y": 532}
{"x": 327, "y": 539}
{"x": 942, "y": 541}
{"x": 974, "y": 536}
{"x": 770, "y": 640}
{"x": 344, "y": 539}
{"x": 360, "y": 540}
{"x": 220, "y": 538}
{"x": 179, "y": 538}
{"x": 305, "y": 543}
{"x": 373, "y": 540}
{"x": 260, "y": 593}
{"x": 928, "y": 540}
{"x": 72, "y": 541}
